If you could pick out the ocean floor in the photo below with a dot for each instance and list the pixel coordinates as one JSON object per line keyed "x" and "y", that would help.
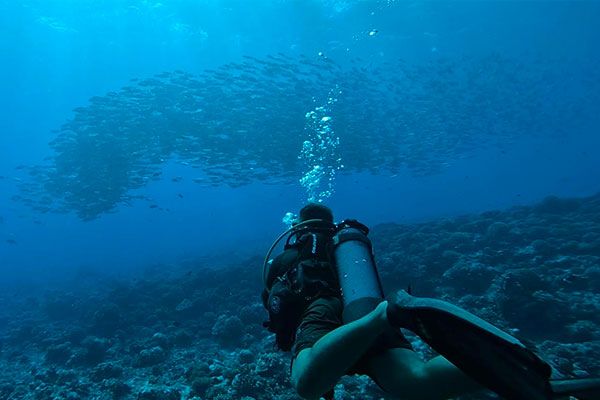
{"x": 194, "y": 331}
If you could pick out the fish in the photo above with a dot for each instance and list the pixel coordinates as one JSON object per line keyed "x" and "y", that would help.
{"x": 399, "y": 115}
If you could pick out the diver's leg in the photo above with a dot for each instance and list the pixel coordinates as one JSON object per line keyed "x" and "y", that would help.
{"x": 402, "y": 373}
{"x": 489, "y": 355}
{"x": 579, "y": 388}
{"x": 316, "y": 370}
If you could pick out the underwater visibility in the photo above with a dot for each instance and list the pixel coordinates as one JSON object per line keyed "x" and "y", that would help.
{"x": 281, "y": 199}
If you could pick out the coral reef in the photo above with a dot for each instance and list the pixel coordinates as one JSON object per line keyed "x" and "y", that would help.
{"x": 195, "y": 333}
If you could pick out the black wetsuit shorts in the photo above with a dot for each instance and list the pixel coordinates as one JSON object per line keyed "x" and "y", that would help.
{"x": 323, "y": 316}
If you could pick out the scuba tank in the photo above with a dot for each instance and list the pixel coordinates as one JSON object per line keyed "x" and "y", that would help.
{"x": 357, "y": 274}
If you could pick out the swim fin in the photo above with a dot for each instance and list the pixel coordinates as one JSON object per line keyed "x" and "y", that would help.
{"x": 493, "y": 358}
{"x": 580, "y": 388}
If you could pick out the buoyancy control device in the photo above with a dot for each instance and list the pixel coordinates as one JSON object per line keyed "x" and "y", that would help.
{"x": 307, "y": 275}
{"x": 333, "y": 259}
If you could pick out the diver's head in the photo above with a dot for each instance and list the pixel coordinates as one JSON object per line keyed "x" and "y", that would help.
{"x": 321, "y": 220}
{"x": 315, "y": 211}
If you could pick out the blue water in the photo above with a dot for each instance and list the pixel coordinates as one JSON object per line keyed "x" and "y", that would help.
{"x": 56, "y": 55}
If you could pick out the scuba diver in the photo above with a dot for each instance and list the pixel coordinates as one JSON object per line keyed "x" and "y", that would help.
{"x": 326, "y": 305}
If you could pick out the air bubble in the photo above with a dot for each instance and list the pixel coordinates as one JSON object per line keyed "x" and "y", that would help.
{"x": 320, "y": 152}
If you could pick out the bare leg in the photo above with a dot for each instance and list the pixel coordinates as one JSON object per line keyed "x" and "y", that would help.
{"x": 316, "y": 370}
{"x": 401, "y": 372}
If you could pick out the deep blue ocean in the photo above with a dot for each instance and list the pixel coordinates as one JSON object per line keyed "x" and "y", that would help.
{"x": 144, "y": 135}
{"x": 59, "y": 54}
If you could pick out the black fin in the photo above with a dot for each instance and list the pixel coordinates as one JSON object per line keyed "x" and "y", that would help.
{"x": 488, "y": 355}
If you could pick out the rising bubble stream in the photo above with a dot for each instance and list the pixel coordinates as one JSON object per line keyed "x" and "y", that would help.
{"x": 320, "y": 151}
